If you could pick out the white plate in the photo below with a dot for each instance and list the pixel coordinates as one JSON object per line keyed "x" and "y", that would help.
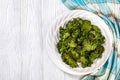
{"x": 52, "y": 40}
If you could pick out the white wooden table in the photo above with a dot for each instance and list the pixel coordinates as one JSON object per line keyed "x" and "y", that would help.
{"x": 23, "y": 28}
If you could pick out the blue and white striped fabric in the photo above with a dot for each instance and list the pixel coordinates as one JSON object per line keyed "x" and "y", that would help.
{"x": 109, "y": 11}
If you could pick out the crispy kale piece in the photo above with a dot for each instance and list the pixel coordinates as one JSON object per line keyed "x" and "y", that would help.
{"x": 89, "y": 45}
{"x": 72, "y": 44}
{"x": 80, "y": 42}
{"x": 86, "y": 26}
{"x": 68, "y": 60}
{"x": 95, "y": 28}
{"x": 84, "y": 61}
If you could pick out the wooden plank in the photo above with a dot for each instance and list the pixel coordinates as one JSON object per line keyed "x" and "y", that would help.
{"x": 31, "y": 42}
{"x": 10, "y": 56}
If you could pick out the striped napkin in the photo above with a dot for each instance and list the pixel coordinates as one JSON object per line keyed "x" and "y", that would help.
{"x": 109, "y": 11}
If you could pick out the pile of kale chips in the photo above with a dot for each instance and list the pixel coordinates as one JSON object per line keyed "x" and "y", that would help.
{"x": 80, "y": 42}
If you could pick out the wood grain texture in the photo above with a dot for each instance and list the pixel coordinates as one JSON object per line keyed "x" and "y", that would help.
{"x": 10, "y": 55}
{"x": 23, "y": 28}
